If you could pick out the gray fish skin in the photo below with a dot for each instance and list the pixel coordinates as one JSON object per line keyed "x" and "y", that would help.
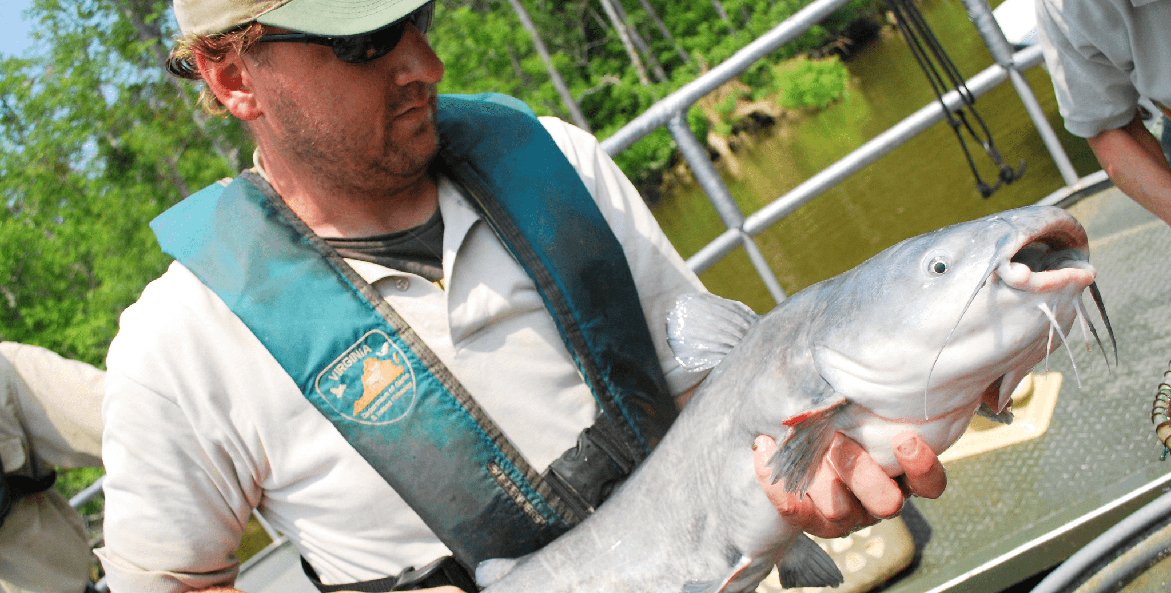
{"x": 857, "y": 351}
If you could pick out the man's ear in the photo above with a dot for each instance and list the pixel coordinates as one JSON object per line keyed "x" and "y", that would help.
{"x": 232, "y": 84}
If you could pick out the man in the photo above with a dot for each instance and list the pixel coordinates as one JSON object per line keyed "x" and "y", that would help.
{"x": 423, "y": 395}
{"x": 50, "y": 416}
{"x": 1102, "y": 56}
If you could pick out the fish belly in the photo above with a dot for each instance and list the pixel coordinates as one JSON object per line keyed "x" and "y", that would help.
{"x": 875, "y": 433}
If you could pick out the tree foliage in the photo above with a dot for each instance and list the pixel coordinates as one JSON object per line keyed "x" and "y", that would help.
{"x": 609, "y": 85}
{"x": 95, "y": 140}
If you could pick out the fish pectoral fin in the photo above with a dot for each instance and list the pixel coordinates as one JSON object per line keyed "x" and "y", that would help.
{"x": 723, "y": 585}
{"x": 810, "y": 435}
{"x": 702, "y": 328}
{"x": 807, "y": 565}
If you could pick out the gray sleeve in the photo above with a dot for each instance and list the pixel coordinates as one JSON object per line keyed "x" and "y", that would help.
{"x": 1090, "y": 80}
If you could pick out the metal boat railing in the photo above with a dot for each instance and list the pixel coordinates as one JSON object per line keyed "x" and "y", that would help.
{"x": 671, "y": 113}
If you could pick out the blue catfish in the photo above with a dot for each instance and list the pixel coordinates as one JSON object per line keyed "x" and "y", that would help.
{"x": 911, "y": 339}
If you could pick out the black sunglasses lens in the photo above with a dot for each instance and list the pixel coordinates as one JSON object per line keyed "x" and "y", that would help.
{"x": 422, "y": 17}
{"x": 374, "y": 45}
{"x": 354, "y": 49}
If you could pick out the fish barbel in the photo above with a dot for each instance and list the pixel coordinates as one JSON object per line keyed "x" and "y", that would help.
{"x": 910, "y": 339}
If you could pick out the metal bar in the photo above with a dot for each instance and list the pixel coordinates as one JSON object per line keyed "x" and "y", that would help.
{"x": 705, "y": 172}
{"x": 91, "y": 492}
{"x": 827, "y": 178}
{"x": 762, "y": 267}
{"x": 679, "y": 101}
{"x": 981, "y": 16}
{"x": 717, "y": 191}
{"x": 673, "y": 106}
{"x": 980, "y": 13}
{"x": 1087, "y": 184}
{"x": 1048, "y": 136}
{"x": 273, "y": 534}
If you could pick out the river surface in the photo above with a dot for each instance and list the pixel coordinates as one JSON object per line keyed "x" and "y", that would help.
{"x": 922, "y": 185}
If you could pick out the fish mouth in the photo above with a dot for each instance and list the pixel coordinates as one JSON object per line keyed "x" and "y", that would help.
{"x": 1050, "y": 258}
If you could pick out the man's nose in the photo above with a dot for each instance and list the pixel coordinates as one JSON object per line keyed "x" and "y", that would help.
{"x": 413, "y": 60}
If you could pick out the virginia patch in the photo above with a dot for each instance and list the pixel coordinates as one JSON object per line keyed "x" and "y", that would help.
{"x": 370, "y": 383}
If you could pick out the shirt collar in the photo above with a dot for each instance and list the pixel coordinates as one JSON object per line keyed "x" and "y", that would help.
{"x": 458, "y": 218}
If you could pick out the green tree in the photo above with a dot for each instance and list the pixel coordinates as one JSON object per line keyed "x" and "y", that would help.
{"x": 95, "y": 140}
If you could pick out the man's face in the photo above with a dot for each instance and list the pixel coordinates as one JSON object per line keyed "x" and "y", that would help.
{"x": 367, "y": 126}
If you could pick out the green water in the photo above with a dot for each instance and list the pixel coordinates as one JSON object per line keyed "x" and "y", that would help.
{"x": 922, "y": 185}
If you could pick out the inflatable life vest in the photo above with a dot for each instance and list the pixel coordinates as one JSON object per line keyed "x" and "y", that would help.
{"x": 329, "y": 328}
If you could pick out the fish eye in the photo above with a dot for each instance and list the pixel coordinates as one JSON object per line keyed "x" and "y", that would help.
{"x": 938, "y": 265}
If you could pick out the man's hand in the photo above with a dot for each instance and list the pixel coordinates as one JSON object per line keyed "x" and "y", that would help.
{"x": 850, "y": 491}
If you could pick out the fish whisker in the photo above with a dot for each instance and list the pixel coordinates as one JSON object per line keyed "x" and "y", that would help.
{"x": 1097, "y": 296}
{"x": 1053, "y": 325}
{"x": 1084, "y": 318}
{"x": 979, "y": 285}
{"x": 1001, "y": 245}
{"x": 1048, "y": 343}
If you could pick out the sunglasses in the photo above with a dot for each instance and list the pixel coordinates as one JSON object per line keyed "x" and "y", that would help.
{"x": 364, "y": 47}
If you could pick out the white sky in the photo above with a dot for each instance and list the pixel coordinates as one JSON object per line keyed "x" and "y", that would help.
{"x": 13, "y": 29}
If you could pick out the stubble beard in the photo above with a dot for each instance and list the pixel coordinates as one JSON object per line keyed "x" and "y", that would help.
{"x": 345, "y": 161}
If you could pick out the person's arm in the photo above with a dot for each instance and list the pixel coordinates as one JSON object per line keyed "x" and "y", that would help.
{"x": 171, "y": 521}
{"x": 59, "y": 405}
{"x": 1133, "y": 159}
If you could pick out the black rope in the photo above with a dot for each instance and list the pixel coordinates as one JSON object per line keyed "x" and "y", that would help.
{"x": 928, "y": 52}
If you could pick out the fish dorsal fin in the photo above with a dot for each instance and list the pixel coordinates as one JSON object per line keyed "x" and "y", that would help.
{"x": 702, "y": 328}
{"x": 810, "y": 435}
{"x": 807, "y": 565}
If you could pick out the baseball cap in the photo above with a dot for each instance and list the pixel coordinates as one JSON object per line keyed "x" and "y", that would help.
{"x": 319, "y": 17}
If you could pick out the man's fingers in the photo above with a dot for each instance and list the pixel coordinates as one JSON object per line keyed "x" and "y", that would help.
{"x": 796, "y": 509}
{"x": 850, "y": 490}
{"x": 925, "y": 476}
{"x": 762, "y": 450}
{"x": 832, "y": 499}
{"x": 877, "y": 492}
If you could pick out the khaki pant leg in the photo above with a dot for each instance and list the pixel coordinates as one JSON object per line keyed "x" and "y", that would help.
{"x": 44, "y": 547}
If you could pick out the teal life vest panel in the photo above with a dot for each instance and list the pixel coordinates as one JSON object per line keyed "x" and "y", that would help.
{"x": 383, "y": 389}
